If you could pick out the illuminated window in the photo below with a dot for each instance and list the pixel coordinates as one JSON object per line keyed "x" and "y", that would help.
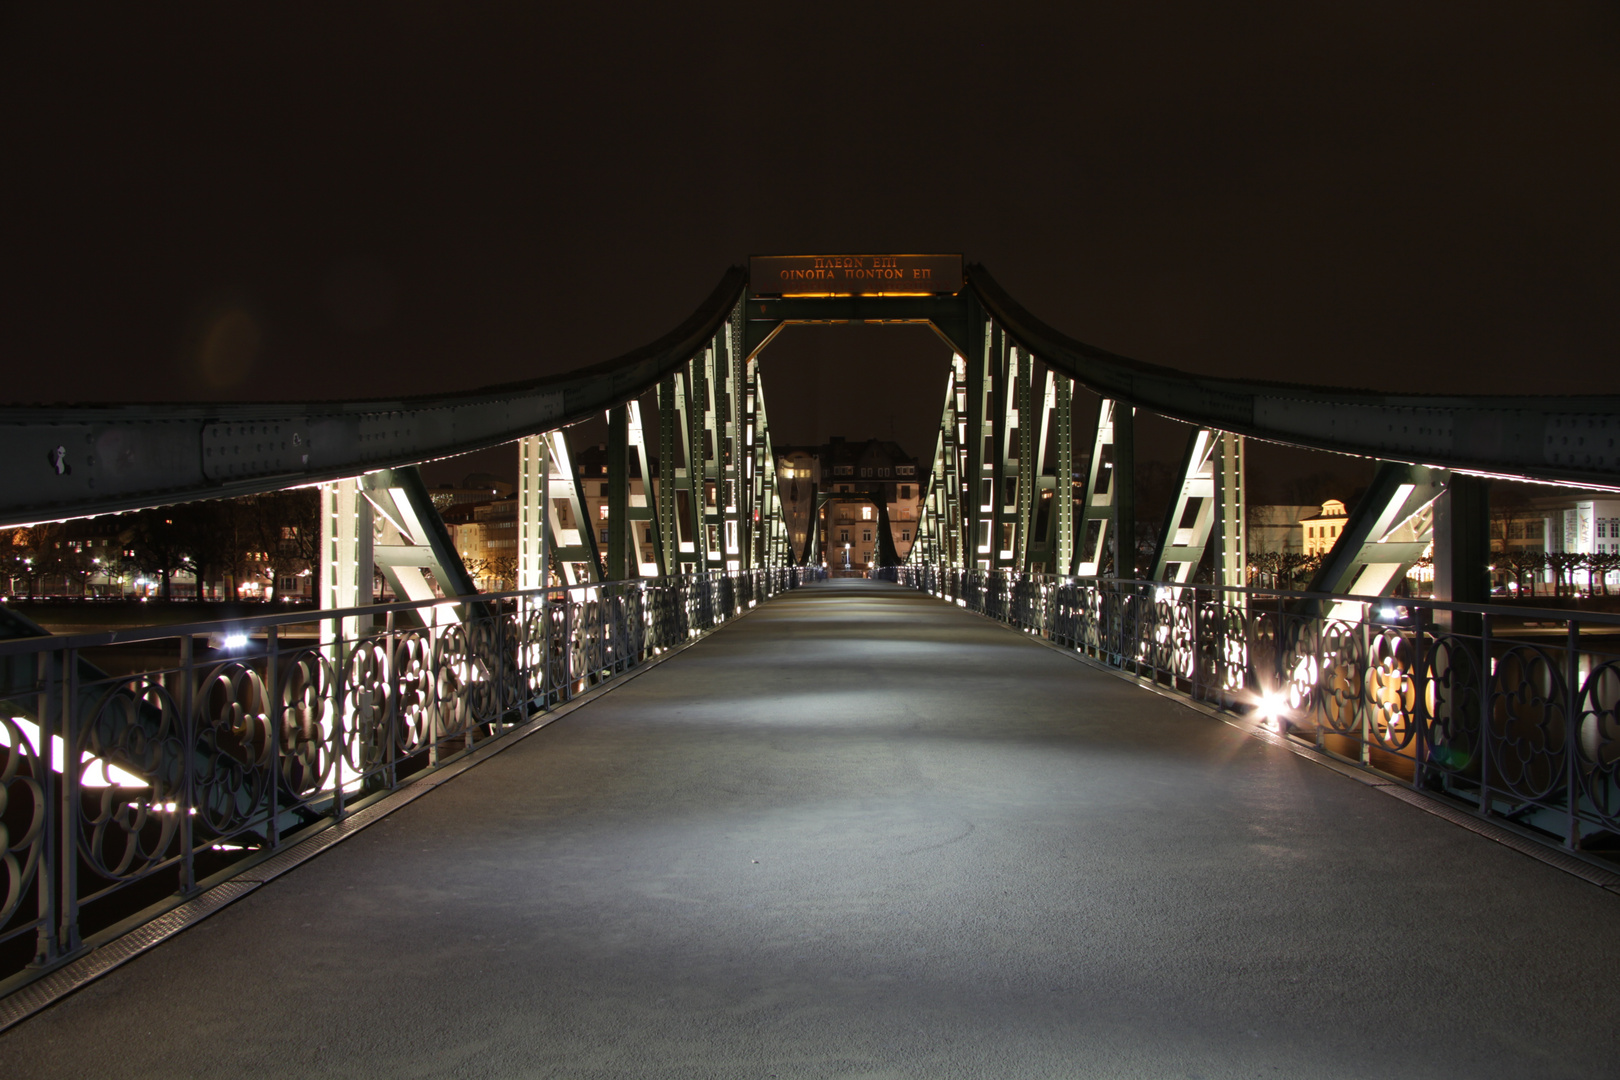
{"x": 602, "y": 512}
{"x": 866, "y": 513}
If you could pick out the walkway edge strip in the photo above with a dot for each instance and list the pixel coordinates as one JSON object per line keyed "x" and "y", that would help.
{"x": 54, "y": 985}
{"x": 1539, "y": 850}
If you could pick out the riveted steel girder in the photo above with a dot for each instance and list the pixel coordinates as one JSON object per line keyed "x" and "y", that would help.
{"x": 75, "y": 461}
{"x": 1562, "y": 438}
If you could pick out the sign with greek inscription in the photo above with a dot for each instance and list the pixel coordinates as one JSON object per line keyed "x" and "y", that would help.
{"x": 854, "y": 275}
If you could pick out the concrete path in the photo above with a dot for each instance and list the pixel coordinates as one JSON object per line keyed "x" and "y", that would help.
{"x": 862, "y": 834}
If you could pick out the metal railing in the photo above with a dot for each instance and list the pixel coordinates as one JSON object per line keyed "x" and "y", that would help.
{"x": 198, "y": 746}
{"x": 1513, "y": 710}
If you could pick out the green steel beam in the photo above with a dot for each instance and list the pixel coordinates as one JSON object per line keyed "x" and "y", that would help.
{"x": 618, "y": 470}
{"x": 76, "y": 461}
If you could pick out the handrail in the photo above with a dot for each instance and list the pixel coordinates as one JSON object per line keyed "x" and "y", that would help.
{"x": 304, "y": 616}
{"x": 1606, "y": 618}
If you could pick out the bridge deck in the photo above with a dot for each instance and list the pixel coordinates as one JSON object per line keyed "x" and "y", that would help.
{"x": 860, "y": 833}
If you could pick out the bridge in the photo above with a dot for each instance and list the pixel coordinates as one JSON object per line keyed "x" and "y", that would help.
{"x": 204, "y": 776}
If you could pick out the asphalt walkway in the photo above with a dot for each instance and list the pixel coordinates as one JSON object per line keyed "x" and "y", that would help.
{"x": 864, "y": 834}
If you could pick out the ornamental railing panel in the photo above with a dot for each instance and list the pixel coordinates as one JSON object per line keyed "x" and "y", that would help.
{"x": 197, "y": 747}
{"x": 1511, "y": 710}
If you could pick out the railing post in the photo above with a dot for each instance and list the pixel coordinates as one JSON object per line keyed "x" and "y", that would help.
{"x": 568, "y": 646}
{"x": 184, "y": 798}
{"x": 48, "y": 881}
{"x": 1486, "y": 713}
{"x": 504, "y": 696}
{"x": 66, "y": 683}
{"x": 392, "y": 717}
{"x": 1422, "y": 680}
{"x": 1365, "y": 686}
{"x": 345, "y": 728}
{"x": 1196, "y": 646}
{"x": 272, "y": 720}
{"x": 1572, "y": 727}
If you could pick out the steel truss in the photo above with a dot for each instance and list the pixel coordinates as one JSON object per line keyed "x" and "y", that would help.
{"x": 77, "y": 461}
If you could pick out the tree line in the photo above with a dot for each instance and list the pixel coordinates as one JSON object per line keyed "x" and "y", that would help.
{"x": 1528, "y": 565}
{"x": 222, "y": 543}
{"x": 1292, "y": 569}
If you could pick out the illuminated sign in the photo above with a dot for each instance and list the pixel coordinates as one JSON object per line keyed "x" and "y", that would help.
{"x": 854, "y": 275}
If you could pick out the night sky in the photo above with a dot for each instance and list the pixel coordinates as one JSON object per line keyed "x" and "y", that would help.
{"x": 336, "y": 201}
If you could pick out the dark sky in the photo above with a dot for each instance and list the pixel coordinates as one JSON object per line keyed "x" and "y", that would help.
{"x": 355, "y": 200}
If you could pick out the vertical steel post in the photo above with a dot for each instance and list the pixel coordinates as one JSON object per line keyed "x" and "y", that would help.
{"x": 618, "y": 491}
{"x": 1462, "y": 548}
{"x": 642, "y": 520}
{"x": 1231, "y": 502}
{"x": 534, "y": 469}
{"x": 1000, "y": 373}
{"x": 1021, "y": 365}
{"x": 698, "y": 451}
{"x": 1123, "y": 491}
{"x": 739, "y": 448}
{"x": 973, "y": 483}
{"x": 669, "y": 561}
{"x": 1063, "y": 490}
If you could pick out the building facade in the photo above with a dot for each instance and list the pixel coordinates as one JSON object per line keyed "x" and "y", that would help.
{"x": 858, "y": 486}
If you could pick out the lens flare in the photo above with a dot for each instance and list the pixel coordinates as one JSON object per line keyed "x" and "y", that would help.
{"x": 1271, "y": 708}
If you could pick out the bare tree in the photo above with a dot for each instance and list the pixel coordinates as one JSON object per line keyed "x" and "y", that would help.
{"x": 13, "y": 557}
{"x": 1563, "y": 565}
{"x": 1599, "y": 565}
{"x": 1524, "y": 564}
{"x": 161, "y": 546}
{"x": 286, "y": 527}
{"x": 1299, "y": 568}
{"x": 1267, "y": 567}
